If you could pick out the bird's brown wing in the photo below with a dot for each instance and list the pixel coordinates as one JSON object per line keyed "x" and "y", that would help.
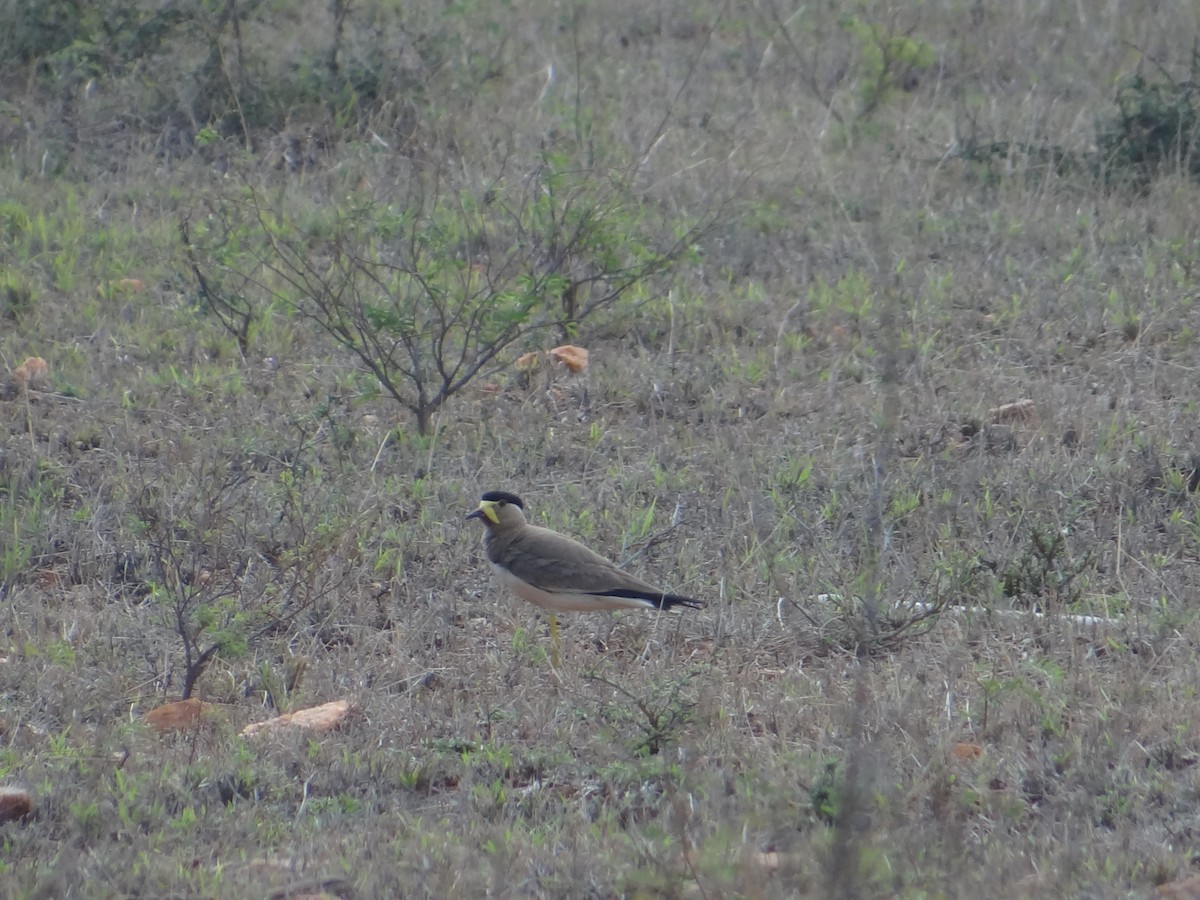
{"x": 558, "y": 564}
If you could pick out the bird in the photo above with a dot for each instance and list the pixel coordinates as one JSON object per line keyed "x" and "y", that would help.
{"x": 557, "y": 573}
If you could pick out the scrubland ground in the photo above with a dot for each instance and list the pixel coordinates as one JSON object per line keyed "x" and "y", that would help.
{"x": 281, "y": 260}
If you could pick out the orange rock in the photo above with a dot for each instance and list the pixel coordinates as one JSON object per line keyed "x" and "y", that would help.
{"x": 574, "y": 358}
{"x": 768, "y": 859}
{"x": 1184, "y": 889}
{"x": 527, "y": 361}
{"x": 326, "y": 717}
{"x": 966, "y": 751}
{"x": 1017, "y": 411}
{"x": 126, "y": 285}
{"x": 176, "y": 716}
{"x": 34, "y": 370}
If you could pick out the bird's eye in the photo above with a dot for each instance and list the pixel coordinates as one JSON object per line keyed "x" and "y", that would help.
{"x": 502, "y": 503}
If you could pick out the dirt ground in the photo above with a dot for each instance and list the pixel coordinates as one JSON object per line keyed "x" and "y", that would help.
{"x": 892, "y": 360}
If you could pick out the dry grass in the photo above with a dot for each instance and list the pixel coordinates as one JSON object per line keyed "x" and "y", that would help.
{"x": 812, "y": 396}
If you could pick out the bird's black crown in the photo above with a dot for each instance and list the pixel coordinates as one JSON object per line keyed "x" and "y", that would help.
{"x": 503, "y": 497}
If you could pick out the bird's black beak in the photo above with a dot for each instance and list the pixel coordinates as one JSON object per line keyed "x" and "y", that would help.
{"x": 486, "y": 512}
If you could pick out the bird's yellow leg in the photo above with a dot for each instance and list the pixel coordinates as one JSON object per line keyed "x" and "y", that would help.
{"x": 555, "y": 641}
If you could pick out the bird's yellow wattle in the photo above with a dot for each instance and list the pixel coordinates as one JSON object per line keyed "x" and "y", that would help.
{"x": 488, "y": 508}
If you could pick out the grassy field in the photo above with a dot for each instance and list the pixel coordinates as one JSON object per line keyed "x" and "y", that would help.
{"x": 281, "y": 260}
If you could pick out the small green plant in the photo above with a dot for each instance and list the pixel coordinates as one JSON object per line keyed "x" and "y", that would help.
{"x": 207, "y": 621}
{"x": 229, "y": 305}
{"x": 890, "y": 58}
{"x": 229, "y": 555}
{"x": 25, "y": 499}
{"x": 642, "y": 526}
{"x": 16, "y": 295}
{"x": 526, "y": 646}
{"x": 88, "y": 817}
{"x": 1155, "y": 128}
{"x": 655, "y": 720}
{"x": 891, "y": 61}
{"x": 428, "y": 288}
{"x": 825, "y": 794}
{"x": 1046, "y": 571}
{"x": 904, "y": 502}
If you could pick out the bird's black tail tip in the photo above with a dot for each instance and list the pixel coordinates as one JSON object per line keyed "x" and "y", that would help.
{"x": 671, "y": 601}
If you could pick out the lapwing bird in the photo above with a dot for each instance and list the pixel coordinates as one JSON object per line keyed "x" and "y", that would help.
{"x": 556, "y": 572}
